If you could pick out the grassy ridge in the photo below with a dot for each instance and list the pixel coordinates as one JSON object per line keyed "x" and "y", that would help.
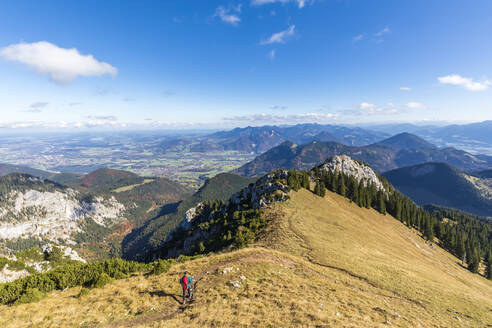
{"x": 321, "y": 262}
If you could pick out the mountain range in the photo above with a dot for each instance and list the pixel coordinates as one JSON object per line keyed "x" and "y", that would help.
{"x": 473, "y": 136}
{"x": 444, "y": 185}
{"x": 263, "y": 138}
{"x": 400, "y": 150}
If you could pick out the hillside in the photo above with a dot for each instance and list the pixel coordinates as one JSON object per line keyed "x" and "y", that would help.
{"x": 407, "y": 141}
{"x": 9, "y": 168}
{"x": 92, "y": 219}
{"x": 445, "y": 185}
{"x": 109, "y": 179}
{"x": 154, "y": 231}
{"x": 484, "y": 174}
{"x": 319, "y": 262}
{"x": 398, "y": 151}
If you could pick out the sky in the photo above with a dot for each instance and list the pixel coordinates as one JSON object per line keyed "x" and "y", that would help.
{"x": 211, "y": 64}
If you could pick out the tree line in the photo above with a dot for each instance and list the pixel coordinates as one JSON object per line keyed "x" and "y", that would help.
{"x": 464, "y": 235}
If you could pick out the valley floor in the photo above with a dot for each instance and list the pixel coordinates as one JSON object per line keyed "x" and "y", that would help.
{"x": 321, "y": 263}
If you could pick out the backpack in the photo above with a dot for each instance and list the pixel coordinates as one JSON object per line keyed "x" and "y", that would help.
{"x": 184, "y": 282}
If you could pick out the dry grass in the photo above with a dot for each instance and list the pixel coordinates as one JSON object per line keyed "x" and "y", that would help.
{"x": 130, "y": 187}
{"x": 323, "y": 263}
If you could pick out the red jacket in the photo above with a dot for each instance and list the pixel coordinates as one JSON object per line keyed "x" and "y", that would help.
{"x": 184, "y": 282}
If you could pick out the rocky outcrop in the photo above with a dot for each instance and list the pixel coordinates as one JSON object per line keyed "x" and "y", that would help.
{"x": 269, "y": 189}
{"x": 7, "y": 275}
{"x": 53, "y": 215}
{"x": 359, "y": 170}
{"x": 16, "y": 268}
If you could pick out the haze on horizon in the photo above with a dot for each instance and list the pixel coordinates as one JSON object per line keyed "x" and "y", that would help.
{"x": 210, "y": 64}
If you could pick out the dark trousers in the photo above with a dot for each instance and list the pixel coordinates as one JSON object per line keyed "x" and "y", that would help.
{"x": 186, "y": 291}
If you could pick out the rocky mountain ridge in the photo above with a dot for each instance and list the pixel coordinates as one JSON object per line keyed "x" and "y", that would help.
{"x": 204, "y": 220}
{"x": 359, "y": 170}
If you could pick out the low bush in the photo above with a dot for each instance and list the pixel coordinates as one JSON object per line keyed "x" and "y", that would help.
{"x": 99, "y": 281}
{"x": 31, "y": 295}
{"x": 84, "y": 291}
{"x": 161, "y": 266}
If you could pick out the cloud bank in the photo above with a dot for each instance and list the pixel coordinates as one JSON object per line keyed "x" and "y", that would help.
{"x": 282, "y": 119}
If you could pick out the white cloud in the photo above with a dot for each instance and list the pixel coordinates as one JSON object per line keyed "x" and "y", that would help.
{"x": 227, "y": 15}
{"x": 384, "y": 31}
{"x": 278, "y": 107}
{"x": 102, "y": 117}
{"x": 282, "y": 119}
{"x": 271, "y": 54}
{"x": 300, "y": 3}
{"x": 414, "y": 105}
{"x": 366, "y": 108}
{"x": 39, "y": 104}
{"x": 168, "y": 93}
{"x": 405, "y": 89}
{"x": 63, "y": 124}
{"x": 359, "y": 37}
{"x": 60, "y": 64}
{"x": 467, "y": 83}
{"x": 279, "y": 37}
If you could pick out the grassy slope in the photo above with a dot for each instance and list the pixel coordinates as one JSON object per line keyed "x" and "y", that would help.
{"x": 322, "y": 262}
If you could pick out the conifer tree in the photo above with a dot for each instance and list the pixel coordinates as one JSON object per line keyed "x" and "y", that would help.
{"x": 381, "y": 203}
{"x": 489, "y": 266}
{"x": 342, "y": 189}
{"x": 428, "y": 231}
{"x": 474, "y": 260}
{"x": 305, "y": 180}
{"x": 319, "y": 188}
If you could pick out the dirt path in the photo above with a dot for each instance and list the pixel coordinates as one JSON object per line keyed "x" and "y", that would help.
{"x": 161, "y": 316}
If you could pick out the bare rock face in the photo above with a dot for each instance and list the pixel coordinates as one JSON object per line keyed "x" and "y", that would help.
{"x": 55, "y": 215}
{"x": 269, "y": 189}
{"x": 348, "y": 166}
{"x": 7, "y": 275}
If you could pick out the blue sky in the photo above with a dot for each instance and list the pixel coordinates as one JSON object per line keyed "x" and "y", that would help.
{"x": 234, "y": 63}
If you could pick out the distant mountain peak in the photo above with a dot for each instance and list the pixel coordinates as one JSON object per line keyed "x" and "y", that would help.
{"x": 406, "y": 140}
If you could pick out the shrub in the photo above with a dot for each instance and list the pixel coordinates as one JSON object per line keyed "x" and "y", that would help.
{"x": 31, "y": 295}
{"x": 99, "y": 281}
{"x": 84, "y": 291}
{"x": 160, "y": 266}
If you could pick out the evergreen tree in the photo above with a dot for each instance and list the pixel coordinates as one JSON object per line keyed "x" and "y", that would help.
{"x": 293, "y": 181}
{"x": 342, "y": 189}
{"x": 319, "y": 188}
{"x": 428, "y": 231}
{"x": 381, "y": 202}
{"x": 474, "y": 260}
{"x": 305, "y": 180}
{"x": 488, "y": 272}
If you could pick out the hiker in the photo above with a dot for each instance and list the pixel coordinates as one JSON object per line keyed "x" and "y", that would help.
{"x": 185, "y": 285}
{"x": 191, "y": 287}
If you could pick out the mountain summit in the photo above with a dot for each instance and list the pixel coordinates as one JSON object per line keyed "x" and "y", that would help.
{"x": 407, "y": 141}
